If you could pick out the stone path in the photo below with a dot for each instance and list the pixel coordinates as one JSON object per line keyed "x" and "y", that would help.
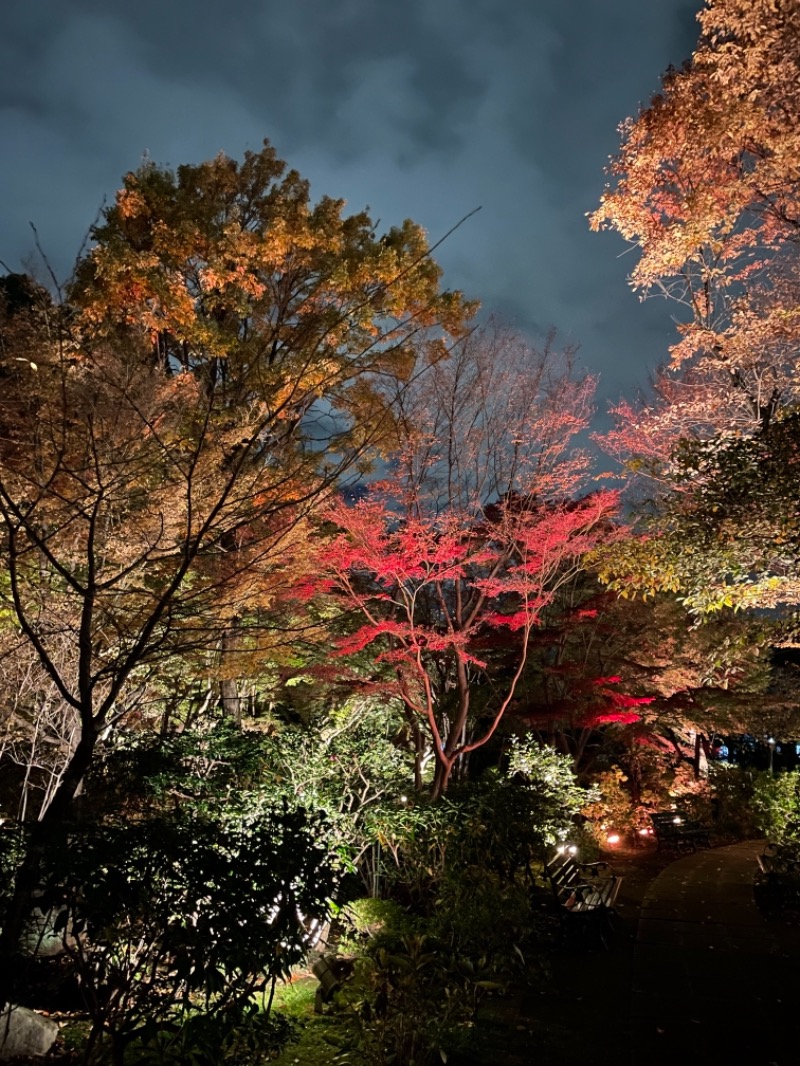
{"x": 714, "y": 982}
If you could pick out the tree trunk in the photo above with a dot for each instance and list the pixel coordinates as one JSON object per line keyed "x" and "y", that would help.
{"x": 230, "y": 697}
{"x": 700, "y": 758}
{"x": 27, "y": 878}
{"x": 441, "y": 777}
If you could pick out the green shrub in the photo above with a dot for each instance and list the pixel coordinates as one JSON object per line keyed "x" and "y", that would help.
{"x": 756, "y": 803}
{"x": 241, "y": 1034}
{"x": 173, "y": 923}
{"x": 470, "y": 924}
{"x": 776, "y": 805}
{"x": 552, "y": 791}
{"x": 368, "y": 920}
{"x": 406, "y": 1005}
{"x": 494, "y": 922}
{"x": 499, "y": 824}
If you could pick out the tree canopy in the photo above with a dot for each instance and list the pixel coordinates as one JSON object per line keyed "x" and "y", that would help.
{"x": 706, "y": 187}
{"x": 219, "y": 362}
{"x": 450, "y": 562}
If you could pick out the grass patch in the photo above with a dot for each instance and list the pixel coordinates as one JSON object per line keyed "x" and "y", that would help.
{"x": 296, "y": 998}
{"x": 320, "y": 1034}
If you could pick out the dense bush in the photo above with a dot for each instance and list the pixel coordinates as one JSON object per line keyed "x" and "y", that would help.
{"x": 187, "y": 898}
{"x": 551, "y": 787}
{"x": 406, "y": 1003}
{"x": 497, "y": 825}
{"x": 756, "y": 803}
{"x": 346, "y": 763}
{"x": 173, "y": 923}
{"x": 471, "y": 919}
{"x": 613, "y": 808}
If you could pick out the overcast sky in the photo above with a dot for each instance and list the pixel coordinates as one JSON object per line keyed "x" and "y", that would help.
{"x": 414, "y": 108}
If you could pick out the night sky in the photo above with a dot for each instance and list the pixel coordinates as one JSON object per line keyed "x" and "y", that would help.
{"x": 413, "y": 108}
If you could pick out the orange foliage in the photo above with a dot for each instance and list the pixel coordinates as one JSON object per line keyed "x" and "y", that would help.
{"x": 707, "y": 187}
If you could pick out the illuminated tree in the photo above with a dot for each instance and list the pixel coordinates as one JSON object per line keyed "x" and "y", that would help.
{"x": 162, "y": 454}
{"x": 469, "y": 539}
{"x": 706, "y": 182}
{"x": 706, "y": 187}
{"x": 728, "y": 536}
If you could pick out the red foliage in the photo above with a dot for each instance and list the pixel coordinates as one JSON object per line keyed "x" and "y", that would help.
{"x": 431, "y": 594}
{"x": 619, "y": 717}
{"x": 451, "y": 563}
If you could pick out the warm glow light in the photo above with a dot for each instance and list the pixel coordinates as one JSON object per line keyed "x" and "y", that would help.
{"x": 613, "y": 838}
{"x": 645, "y": 832}
{"x": 677, "y": 820}
{"x": 572, "y": 849}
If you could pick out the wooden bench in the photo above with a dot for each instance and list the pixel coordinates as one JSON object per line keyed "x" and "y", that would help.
{"x": 675, "y": 829}
{"x": 585, "y": 892}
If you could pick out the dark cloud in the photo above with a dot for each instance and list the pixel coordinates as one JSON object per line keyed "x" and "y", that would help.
{"x": 425, "y": 108}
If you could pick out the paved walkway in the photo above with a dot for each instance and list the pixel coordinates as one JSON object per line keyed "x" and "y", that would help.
{"x": 714, "y": 982}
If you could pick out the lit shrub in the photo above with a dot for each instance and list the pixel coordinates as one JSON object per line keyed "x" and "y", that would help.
{"x": 756, "y": 803}
{"x": 172, "y": 924}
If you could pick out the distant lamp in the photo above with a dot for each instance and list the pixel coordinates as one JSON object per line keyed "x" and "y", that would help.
{"x": 677, "y": 820}
{"x": 613, "y": 838}
{"x": 572, "y": 849}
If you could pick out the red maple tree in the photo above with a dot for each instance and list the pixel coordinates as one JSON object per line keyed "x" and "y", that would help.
{"x": 432, "y": 598}
{"x": 449, "y": 564}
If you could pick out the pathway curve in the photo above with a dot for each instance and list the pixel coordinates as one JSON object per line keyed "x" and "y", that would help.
{"x": 713, "y": 980}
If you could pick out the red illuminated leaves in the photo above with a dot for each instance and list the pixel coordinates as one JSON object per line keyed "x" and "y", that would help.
{"x": 452, "y": 578}
{"x": 431, "y": 594}
{"x": 617, "y": 708}
{"x": 450, "y": 562}
{"x": 615, "y": 718}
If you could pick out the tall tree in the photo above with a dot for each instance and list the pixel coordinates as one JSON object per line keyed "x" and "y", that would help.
{"x": 232, "y": 274}
{"x": 706, "y": 187}
{"x": 213, "y": 376}
{"x": 449, "y": 564}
